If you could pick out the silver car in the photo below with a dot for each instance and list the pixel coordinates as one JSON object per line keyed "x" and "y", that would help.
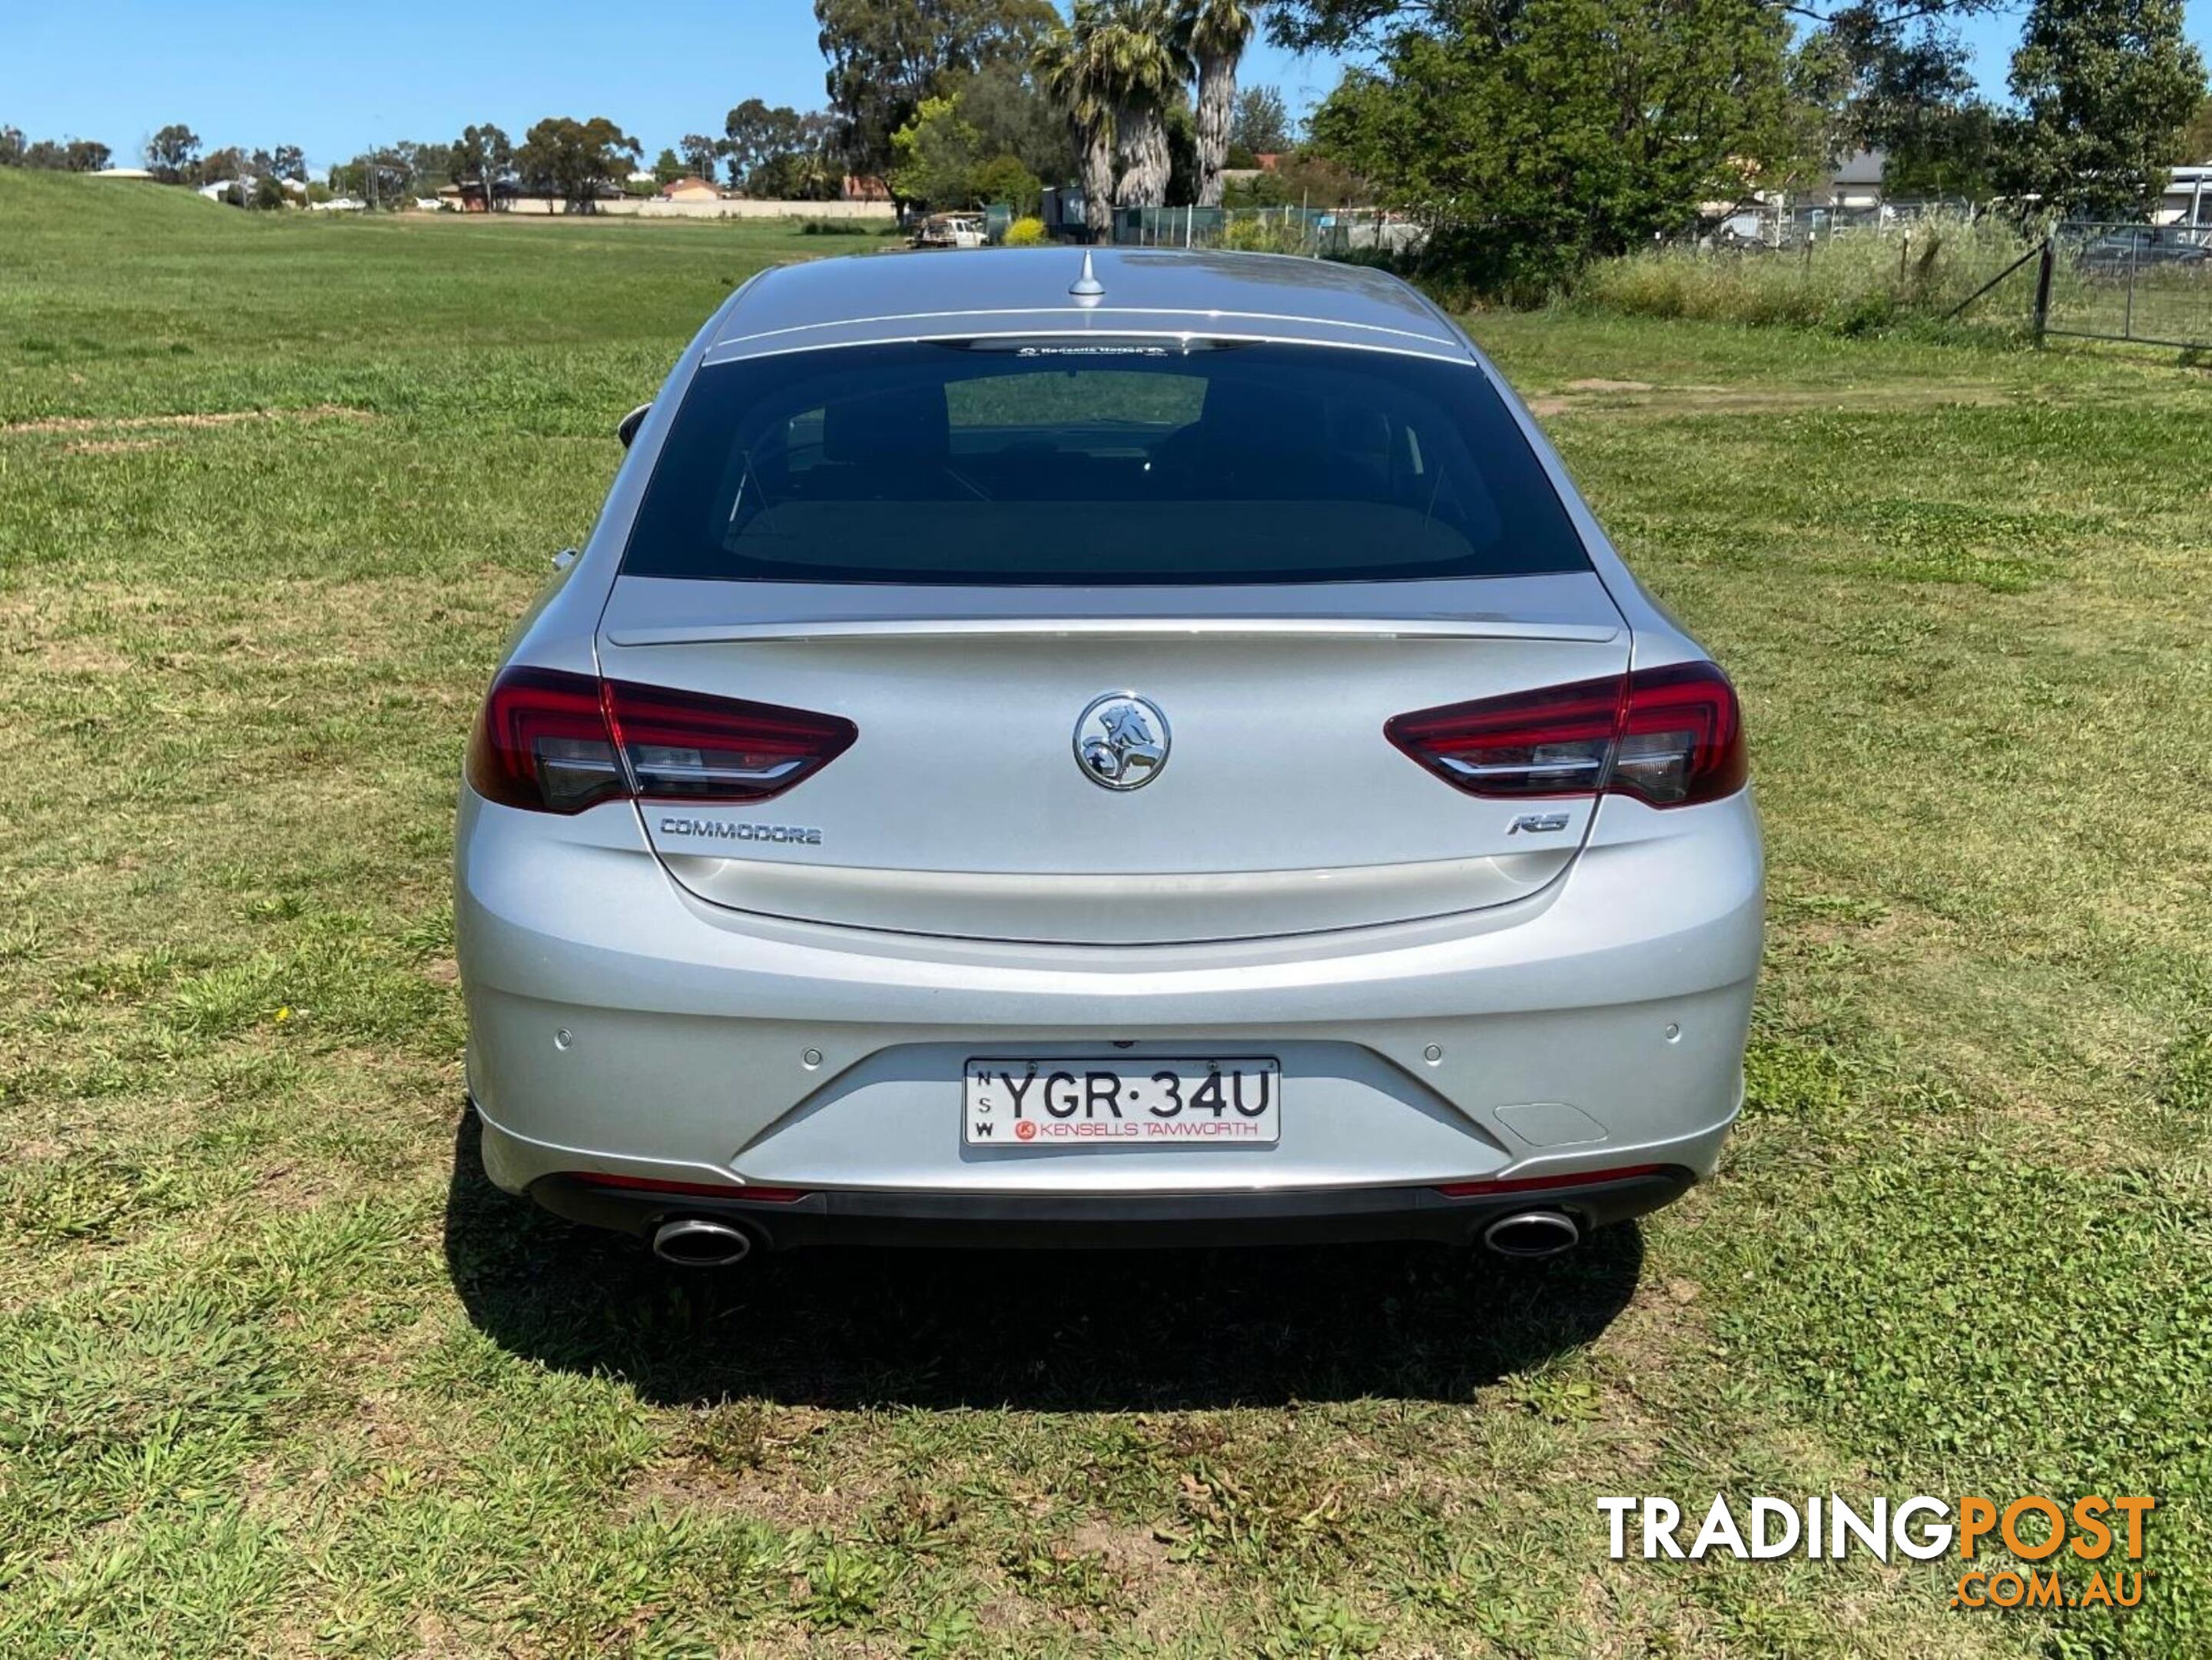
{"x": 1137, "y": 747}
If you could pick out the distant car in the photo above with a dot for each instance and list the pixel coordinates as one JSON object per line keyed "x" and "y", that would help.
{"x": 1069, "y": 748}
{"x": 2139, "y": 246}
{"x": 951, "y": 230}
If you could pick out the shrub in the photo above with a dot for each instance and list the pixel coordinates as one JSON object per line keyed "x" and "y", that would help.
{"x": 1026, "y": 233}
{"x": 1265, "y": 232}
{"x": 1003, "y": 178}
{"x": 834, "y": 228}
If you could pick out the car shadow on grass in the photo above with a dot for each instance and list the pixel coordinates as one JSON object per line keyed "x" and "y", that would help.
{"x": 1039, "y": 1330}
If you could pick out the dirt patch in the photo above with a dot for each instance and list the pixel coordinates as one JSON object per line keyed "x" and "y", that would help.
{"x": 110, "y": 445}
{"x": 79, "y": 657}
{"x": 1610, "y": 385}
{"x": 779, "y": 1498}
{"x": 66, "y": 424}
{"x": 1134, "y": 1555}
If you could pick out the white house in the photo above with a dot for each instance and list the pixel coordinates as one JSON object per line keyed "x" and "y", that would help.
{"x": 2188, "y": 199}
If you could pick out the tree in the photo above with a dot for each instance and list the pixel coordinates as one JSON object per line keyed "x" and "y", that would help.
{"x": 2105, "y": 88}
{"x": 1304, "y": 180}
{"x": 383, "y": 177}
{"x": 1547, "y": 132}
{"x": 69, "y": 156}
{"x": 1013, "y": 115}
{"x": 1145, "y": 68}
{"x": 700, "y": 153}
{"x": 220, "y": 166}
{"x": 755, "y": 134}
{"x": 887, "y": 56}
{"x": 172, "y": 153}
{"x": 1075, "y": 75}
{"x": 935, "y": 157}
{"x": 1870, "y": 79}
{"x": 810, "y": 173}
{"x": 1003, "y": 178}
{"x": 2196, "y": 137}
{"x": 576, "y": 160}
{"x": 1911, "y": 94}
{"x": 484, "y": 157}
{"x": 429, "y": 166}
{"x": 1338, "y": 25}
{"x": 667, "y": 168}
{"x": 269, "y": 191}
{"x": 1214, "y": 33}
{"x": 289, "y": 161}
{"x": 779, "y": 154}
{"x": 1262, "y": 122}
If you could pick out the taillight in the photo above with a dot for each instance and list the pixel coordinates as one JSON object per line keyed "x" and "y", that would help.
{"x": 1681, "y": 737}
{"x": 1552, "y": 742}
{"x": 1670, "y": 736}
{"x": 551, "y": 741}
{"x": 697, "y": 748}
{"x": 542, "y": 742}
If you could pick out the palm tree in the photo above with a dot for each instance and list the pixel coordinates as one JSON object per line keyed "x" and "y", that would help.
{"x": 1076, "y": 77}
{"x": 1145, "y": 68}
{"x": 1214, "y": 32}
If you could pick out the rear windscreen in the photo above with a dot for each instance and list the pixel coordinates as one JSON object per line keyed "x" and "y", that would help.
{"x": 1094, "y": 463}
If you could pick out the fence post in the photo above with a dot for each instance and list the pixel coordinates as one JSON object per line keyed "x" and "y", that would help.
{"x": 2043, "y": 286}
{"x": 2128, "y": 328}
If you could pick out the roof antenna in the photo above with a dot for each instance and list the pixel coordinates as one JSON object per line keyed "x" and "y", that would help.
{"x": 1087, "y": 286}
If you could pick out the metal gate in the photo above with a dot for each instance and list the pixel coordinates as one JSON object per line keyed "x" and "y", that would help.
{"x": 2151, "y": 284}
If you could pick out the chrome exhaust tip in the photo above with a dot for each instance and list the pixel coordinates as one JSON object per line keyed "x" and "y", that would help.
{"x": 697, "y": 1242}
{"x": 1533, "y": 1234}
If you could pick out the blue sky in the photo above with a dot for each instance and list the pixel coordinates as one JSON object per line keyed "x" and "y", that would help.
{"x": 334, "y": 79}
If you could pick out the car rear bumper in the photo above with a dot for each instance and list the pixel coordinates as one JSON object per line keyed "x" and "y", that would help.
{"x": 620, "y": 1027}
{"x": 1063, "y": 1221}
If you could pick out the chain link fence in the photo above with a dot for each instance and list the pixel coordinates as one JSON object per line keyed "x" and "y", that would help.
{"x": 1316, "y": 232}
{"x": 1778, "y": 225}
{"x": 2149, "y": 284}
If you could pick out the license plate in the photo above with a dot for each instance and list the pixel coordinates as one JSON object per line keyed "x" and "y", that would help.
{"x": 1122, "y": 1103}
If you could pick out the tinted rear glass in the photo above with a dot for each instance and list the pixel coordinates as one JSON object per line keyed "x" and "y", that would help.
{"x": 1054, "y": 462}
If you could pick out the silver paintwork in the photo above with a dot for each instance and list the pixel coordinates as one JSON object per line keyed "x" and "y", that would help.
{"x": 1446, "y": 1004}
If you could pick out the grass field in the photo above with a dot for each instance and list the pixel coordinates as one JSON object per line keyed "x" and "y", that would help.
{"x": 280, "y": 1373}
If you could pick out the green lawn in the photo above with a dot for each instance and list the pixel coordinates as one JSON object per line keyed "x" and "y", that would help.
{"x": 279, "y": 1372}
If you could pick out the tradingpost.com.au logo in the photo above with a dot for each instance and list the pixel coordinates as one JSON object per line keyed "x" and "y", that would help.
{"x": 2032, "y": 1529}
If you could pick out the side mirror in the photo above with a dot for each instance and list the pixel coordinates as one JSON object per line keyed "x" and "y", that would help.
{"x": 626, "y": 429}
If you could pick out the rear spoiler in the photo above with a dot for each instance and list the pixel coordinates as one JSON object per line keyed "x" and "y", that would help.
{"x": 1119, "y": 628}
